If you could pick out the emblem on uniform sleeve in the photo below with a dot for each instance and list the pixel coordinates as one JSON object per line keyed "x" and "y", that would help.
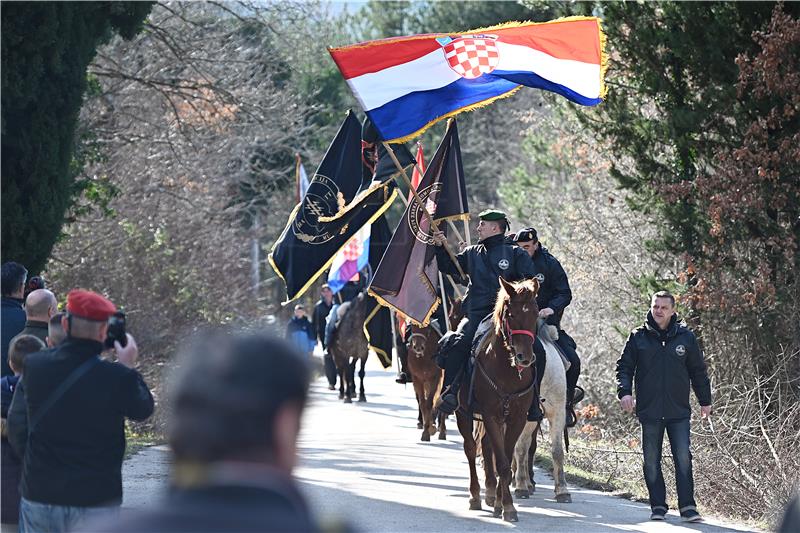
{"x": 680, "y": 350}
{"x": 503, "y": 264}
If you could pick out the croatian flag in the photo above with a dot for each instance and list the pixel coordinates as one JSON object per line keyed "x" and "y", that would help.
{"x": 350, "y": 260}
{"x": 406, "y": 84}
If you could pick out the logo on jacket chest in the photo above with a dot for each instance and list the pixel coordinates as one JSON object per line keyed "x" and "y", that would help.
{"x": 539, "y": 277}
{"x": 503, "y": 264}
{"x": 680, "y": 350}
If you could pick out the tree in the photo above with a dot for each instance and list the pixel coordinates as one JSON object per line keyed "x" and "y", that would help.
{"x": 46, "y": 47}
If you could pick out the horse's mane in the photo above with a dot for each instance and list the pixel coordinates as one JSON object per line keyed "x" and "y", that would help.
{"x": 503, "y": 298}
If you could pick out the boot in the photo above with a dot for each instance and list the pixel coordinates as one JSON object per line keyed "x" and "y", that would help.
{"x": 448, "y": 400}
{"x": 535, "y": 411}
{"x": 574, "y": 395}
{"x": 403, "y": 378}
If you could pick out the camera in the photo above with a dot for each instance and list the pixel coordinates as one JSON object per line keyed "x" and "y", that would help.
{"x": 116, "y": 330}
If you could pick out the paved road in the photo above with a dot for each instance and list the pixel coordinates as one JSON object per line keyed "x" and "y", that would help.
{"x": 364, "y": 464}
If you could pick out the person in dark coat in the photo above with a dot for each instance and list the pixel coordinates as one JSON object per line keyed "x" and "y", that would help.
{"x": 10, "y": 464}
{"x": 40, "y": 306}
{"x": 484, "y": 263}
{"x": 553, "y": 297}
{"x": 661, "y": 360}
{"x": 12, "y": 320}
{"x": 321, "y": 310}
{"x": 300, "y": 331}
{"x": 237, "y": 406}
{"x": 67, "y": 420}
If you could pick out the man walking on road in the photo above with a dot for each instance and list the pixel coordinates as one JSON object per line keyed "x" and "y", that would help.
{"x": 662, "y": 358}
{"x": 321, "y": 310}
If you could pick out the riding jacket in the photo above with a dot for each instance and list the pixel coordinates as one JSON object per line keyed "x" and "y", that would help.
{"x": 554, "y": 291}
{"x": 662, "y": 364}
{"x": 485, "y": 262}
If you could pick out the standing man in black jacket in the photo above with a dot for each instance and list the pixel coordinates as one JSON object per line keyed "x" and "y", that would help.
{"x": 13, "y": 315}
{"x": 662, "y": 358}
{"x": 321, "y": 310}
{"x": 67, "y": 419}
{"x": 554, "y": 296}
{"x": 484, "y": 263}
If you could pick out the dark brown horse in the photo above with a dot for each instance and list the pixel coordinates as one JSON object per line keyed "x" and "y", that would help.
{"x": 426, "y": 376}
{"x": 348, "y": 346}
{"x": 502, "y": 389}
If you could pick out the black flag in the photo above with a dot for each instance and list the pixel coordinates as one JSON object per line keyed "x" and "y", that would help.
{"x": 320, "y": 225}
{"x": 407, "y": 278}
{"x": 378, "y": 325}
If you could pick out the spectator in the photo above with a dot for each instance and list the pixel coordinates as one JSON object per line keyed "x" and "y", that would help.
{"x": 300, "y": 332}
{"x": 13, "y": 316}
{"x": 662, "y": 358}
{"x": 321, "y": 310}
{"x": 67, "y": 420}
{"x": 40, "y": 305}
{"x": 55, "y": 331}
{"x": 34, "y": 283}
{"x": 790, "y": 523}
{"x": 237, "y": 405}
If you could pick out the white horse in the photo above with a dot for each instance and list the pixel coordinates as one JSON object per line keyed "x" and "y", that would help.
{"x": 553, "y": 398}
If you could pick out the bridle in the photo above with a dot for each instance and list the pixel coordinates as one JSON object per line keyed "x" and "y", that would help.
{"x": 417, "y": 353}
{"x": 507, "y": 335}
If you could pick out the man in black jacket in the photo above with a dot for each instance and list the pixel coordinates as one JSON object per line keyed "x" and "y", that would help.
{"x": 13, "y": 315}
{"x": 237, "y": 406}
{"x": 484, "y": 263}
{"x": 662, "y": 359}
{"x": 40, "y": 305}
{"x": 67, "y": 419}
{"x": 553, "y": 297}
{"x": 321, "y": 310}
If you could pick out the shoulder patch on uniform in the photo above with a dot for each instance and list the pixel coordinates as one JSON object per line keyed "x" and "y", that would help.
{"x": 503, "y": 264}
{"x": 540, "y": 277}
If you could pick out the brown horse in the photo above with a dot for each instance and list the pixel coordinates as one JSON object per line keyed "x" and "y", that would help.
{"x": 502, "y": 388}
{"x": 349, "y": 345}
{"x": 426, "y": 376}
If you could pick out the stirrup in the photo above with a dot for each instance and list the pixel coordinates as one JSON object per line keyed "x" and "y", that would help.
{"x": 572, "y": 418}
{"x": 578, "y": 395}
{"x": 448, "y": 403}
{"x": 403, "y": 378}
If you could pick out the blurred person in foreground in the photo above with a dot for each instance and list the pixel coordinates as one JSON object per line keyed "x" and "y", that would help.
{"x": 662, "y": 358}
{"x": 55, "y": 331}
{"x": 40, "y": 306}
{"x": 13, "y": 315}
{"x": 67, "y": 420}
{"x": 236, "y": 405}
{"x": 10, "y": 464}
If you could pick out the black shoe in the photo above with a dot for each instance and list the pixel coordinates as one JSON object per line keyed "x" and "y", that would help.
{"x": 448, "y": 402}
{"x": 658, "y": 514}
{"x": 403, "y": 378}
{"x": 691, "y": 516}
{"x": 535, "y": 413}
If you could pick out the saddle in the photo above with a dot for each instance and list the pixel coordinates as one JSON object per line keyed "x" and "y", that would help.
{"x": 340, "y": 312}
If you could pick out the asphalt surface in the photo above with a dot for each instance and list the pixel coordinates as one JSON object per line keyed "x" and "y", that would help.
{"x": 364, "y": 464}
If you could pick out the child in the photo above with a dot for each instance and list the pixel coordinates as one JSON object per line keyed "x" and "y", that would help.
{"x": 10, "y": 464}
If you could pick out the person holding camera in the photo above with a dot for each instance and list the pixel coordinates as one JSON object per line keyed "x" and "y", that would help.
{"x": 67, "y": 418}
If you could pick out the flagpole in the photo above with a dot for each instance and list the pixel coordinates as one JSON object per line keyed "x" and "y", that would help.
{"x": 297, "y": 176}
{"x": 393, "y": 317}
{"x": 433, "y": 224}
{"x": 444, "y": 302}
{"x": 449, "y": 277}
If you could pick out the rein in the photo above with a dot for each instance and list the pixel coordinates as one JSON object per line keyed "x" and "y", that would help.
{"x": 505, "y": 398}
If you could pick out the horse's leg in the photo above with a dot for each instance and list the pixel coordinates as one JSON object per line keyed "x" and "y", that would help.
{"x": 351, "y": 377}
{"x": 419, "y": 389}
{"x": 532, "y": 456}
{"x": 427, "y": 406}
{"x": 519, "y": 465}
{"x": 341, "y": 371}
{"x": 557, "y": 424}
{"x": 419, "y": 412}
{"x": 470, "y": 448}
{"x": 442, "y": 427}
{"x": 513, "y": 428}
{"x": 362, "y": 397}
{"x": 490, "y": 476}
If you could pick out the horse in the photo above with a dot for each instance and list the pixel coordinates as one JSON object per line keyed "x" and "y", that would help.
{"x": 348, "y": 345}
{"x": 502, "y": 387}
{"x": 553, "y": 397}
{"x": 426, "y": 377}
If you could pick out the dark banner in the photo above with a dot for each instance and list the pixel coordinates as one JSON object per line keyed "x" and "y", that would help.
{"x": 378, "y": 325}
{"x": 407, "y": 278}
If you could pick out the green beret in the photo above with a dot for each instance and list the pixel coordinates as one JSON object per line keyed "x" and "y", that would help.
{"x": 493, "y": 215}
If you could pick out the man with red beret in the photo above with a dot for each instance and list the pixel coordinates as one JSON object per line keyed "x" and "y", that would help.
{"x": 67, "y": 420}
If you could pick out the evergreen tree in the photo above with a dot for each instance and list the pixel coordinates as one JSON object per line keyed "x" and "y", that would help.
{"x": 46, "y": 47}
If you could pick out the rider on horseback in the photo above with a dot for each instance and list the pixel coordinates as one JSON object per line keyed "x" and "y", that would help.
{"x": 484, "y": 262}
{"x": 553, "y": 297}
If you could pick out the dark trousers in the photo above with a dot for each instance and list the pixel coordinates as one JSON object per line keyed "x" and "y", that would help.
{"x": 652, "y": 442}
{"x": 568, "y": 346}
{"x": 460, "y": 351}
{"x": 330, "y": 369}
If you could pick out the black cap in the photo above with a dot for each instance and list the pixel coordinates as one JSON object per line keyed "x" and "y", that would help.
{"x": 525, "y": 235}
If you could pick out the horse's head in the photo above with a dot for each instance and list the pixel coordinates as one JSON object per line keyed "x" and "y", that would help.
{"x": 419, "y": 337}
{"x": 515, "y": 314}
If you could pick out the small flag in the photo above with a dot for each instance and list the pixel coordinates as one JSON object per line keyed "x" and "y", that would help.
{"x": 350, "y": 260}
{"x": 316, "y": 229}
{"x": 302, "y": 179}
{"x": 419, "y": 167}
{"x": 405, "y": 84}
{"x": 407, "y": 278}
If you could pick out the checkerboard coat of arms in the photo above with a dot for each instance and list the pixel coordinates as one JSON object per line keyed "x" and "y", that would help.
{"x": 471, "y": 56}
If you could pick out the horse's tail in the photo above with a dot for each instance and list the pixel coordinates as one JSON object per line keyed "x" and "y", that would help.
{"x": 566, "y": 439}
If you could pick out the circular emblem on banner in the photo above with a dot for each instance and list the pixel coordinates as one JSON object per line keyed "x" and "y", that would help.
{"x": 680, "y": 350}
{"x": 503, "y": 264}
{"x": 472, "y": 56}
{"x": 322, "y": 199}
{"x": 539, "y": 277}
{"x": 416, "y": 219}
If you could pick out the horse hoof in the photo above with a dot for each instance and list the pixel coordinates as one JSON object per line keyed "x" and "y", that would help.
{"x": 362, "y": 398}
{"x": 498, "y": 512}
{"x": 475, "y": 505}
{"x": 348, "y": 399}
{"x": 426, "y": 437}
{"x": 511, "y": 516}
{"x": 522, "y": 493}
{"x": 442, "y": 436}
{"x": 490, "y": 501}
{"x": 419, "y": 425}
{"x": 564, "y": 498}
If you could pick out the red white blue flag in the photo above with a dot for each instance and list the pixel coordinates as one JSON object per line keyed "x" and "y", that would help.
{"x": 406, "y": 84}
